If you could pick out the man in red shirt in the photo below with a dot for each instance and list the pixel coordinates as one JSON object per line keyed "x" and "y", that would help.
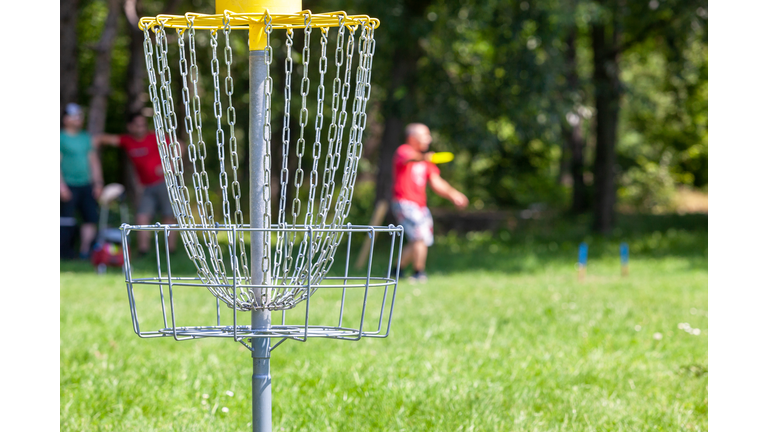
{"x": 411, "y": 171}
{"x": 141, "y": 146}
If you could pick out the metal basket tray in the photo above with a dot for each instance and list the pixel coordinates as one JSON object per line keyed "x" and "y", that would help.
{"x": 347, "y": 304}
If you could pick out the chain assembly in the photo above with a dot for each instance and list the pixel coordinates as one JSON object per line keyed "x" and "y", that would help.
{"x": 304, "y": 238}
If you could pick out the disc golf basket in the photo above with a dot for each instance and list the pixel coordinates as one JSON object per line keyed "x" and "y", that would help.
{"x": 270, "y": 268}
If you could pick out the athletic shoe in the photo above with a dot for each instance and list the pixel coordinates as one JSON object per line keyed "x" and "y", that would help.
{"x": 393, "y": 272}
{"x": 418, "y": 277}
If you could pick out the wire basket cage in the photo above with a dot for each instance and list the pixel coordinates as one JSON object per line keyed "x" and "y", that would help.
{"x": 355, "y": 303}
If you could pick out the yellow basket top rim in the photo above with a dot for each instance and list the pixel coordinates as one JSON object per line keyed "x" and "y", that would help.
{"x": 242, "y": 21}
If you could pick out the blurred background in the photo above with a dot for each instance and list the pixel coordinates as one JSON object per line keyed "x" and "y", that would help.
{"x": 577, "y": 110}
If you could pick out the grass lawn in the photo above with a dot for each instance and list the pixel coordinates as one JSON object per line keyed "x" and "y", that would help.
{"x": 503, "y": 337}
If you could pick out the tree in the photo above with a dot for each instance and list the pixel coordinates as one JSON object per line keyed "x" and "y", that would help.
{"x": 68, "y": 76}
{"x": 617, "y": 27}
{"x": 100, "y": 88}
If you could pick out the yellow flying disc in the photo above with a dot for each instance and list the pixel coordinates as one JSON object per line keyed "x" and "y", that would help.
{"x": 442, "y": 157}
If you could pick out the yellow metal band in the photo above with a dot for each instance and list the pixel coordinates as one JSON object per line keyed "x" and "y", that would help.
{"x": 259, "y": 6}
{"x": 257, "y": 38}
{"x": 245, "y": 21}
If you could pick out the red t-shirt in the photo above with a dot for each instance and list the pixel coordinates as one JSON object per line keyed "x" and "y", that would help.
{"x": 410, "y": 178}
{"x": 145, "y": 157}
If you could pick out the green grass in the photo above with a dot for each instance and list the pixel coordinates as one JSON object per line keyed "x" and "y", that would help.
{"x": 502, "y": 337}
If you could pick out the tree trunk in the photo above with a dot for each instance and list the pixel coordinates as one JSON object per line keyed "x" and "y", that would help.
{"x": 68, "y": 52}
{"x": 576, "y": 145}
{"x": 607, "y": 94}
{"x": 100, "y": 88}
{"x": 572, "y": 129}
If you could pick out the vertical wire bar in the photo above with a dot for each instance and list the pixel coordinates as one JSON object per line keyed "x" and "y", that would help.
{"x": 397, "y": 280}
{"x": 160, "y": 278}
{"x": 129, "y": 283}
{"x": 218, "y": 311}
{"x": 367, "y": 283}
{"x": 234, "y": 290}
{"x": 170, "y": 282}
{"x": 346, "y": 274}
{"x": 309, "y": 284}
{"x": 386, "y": 284}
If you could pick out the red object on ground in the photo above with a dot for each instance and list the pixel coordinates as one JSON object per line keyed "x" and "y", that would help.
{"x": 107, "y": 253}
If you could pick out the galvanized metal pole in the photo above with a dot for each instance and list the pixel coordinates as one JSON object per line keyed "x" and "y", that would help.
{"x": 260, "y": 319}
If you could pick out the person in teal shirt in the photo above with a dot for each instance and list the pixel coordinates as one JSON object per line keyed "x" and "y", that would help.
{"x": 81, "y": 179}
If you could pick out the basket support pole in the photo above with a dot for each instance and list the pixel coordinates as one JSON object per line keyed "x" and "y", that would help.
{"x": 260, "y": 319}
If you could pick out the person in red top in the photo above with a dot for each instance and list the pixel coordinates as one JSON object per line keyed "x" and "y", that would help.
{"x": 411, "y": 172}
{"x": 141, "y": 146}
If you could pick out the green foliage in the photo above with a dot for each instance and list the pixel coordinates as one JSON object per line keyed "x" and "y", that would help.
{"x": 490, "y": 83}
{"x": 666, "y": 111}
{"x": 649, "y": 186}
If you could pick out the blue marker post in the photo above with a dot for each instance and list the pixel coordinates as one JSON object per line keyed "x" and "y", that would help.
{"x": 582, "y": 261}
{"x": 624, "y": 252}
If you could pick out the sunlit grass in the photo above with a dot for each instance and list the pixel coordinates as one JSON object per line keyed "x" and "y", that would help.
{"x": 501, "y": 338}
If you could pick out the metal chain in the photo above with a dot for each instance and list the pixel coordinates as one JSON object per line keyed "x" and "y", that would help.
{"x": 170, "y": 153}
{"x": 170, "y": 150}
{"x": 240, "y": 268}
{"x": 189, "y": 238}
{"x": 362, "y": 94}
{"x": 366, "y": 48}
{"x": 332, "y": 162}
{"x": 223, "y": 180}
{"x": 333, "y": 129}
{"x": 280, "y": 244}
{"x": 316, "y": 147}
{"x": 197, "y": 150}
{"x": 266, "y": 193}
{"x": 298, "y": 178}
{"x": 324, "y": 243}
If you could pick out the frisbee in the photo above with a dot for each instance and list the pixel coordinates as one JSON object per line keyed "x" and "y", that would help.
{"x": 442, "y": 157}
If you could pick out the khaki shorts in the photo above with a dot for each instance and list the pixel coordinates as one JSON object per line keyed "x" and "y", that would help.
{"x": 154, "y": 201}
